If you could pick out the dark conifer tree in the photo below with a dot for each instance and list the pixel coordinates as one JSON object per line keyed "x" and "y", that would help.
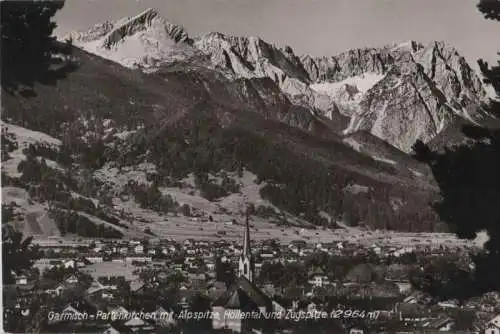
{"x": 469, "y": 179}
{"x": 28, "y": 45}
{"x": 18, "y": 254}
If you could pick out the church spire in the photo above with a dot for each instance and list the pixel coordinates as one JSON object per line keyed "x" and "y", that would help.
{"x": 246, "y": 239}
{"x": 245, "y": 265}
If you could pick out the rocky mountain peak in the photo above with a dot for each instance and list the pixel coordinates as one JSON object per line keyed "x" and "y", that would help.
{"x": 425, "y": 88}
{"x": 251, "y": 57}
{"x": 144, "y": 40}
{"x": 112, "y": 33}
{"x": 149, "y": 19}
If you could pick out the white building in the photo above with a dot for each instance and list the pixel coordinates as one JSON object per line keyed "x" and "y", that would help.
{"x": 493, "y": 326}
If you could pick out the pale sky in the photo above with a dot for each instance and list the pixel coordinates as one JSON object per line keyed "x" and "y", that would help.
{"x": 317, "y": 27}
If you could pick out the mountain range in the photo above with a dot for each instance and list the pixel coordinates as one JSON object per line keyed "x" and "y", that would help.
{"x": 399, "y": 93}
{"x": 156, "y": 129}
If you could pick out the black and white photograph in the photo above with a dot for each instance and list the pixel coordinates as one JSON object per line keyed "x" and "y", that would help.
{"x": 250, "y": 166}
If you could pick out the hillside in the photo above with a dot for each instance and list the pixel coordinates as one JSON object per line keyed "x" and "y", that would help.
{"x": 154, "y": 131}
{"x": 109, "y": 151}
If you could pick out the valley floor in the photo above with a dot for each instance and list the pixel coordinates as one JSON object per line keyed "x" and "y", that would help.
{"x": 181, "y": 229}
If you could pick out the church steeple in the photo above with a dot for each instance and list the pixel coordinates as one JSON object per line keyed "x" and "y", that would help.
{"x": 246, "y": 239}
{"x": 246, "y": 266}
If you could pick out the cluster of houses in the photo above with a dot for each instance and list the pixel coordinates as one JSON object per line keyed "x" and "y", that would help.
{"x": 123, "y": 251}
{"x": 125, "y": 277}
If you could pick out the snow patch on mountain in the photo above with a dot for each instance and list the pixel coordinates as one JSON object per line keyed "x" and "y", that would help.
{"x": 353, "y": 144}
{"x": 416, "y": 173}
{"x": 358, "y": 84}
{"x": 345, "y": 94}
{"x": 357, "y": 146}
{"x": 387, "y": 161}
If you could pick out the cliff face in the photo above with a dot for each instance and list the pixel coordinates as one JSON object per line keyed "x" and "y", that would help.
{"x": 251, "y": 57}
{"x": 348, "y": 64}
{"x": 399, "y": 93}
{"x": 419, "y": 96}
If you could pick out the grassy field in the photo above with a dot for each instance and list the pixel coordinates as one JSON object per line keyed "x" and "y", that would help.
{"x": 106, "y": 268}
{"x": 181, "y": 229}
